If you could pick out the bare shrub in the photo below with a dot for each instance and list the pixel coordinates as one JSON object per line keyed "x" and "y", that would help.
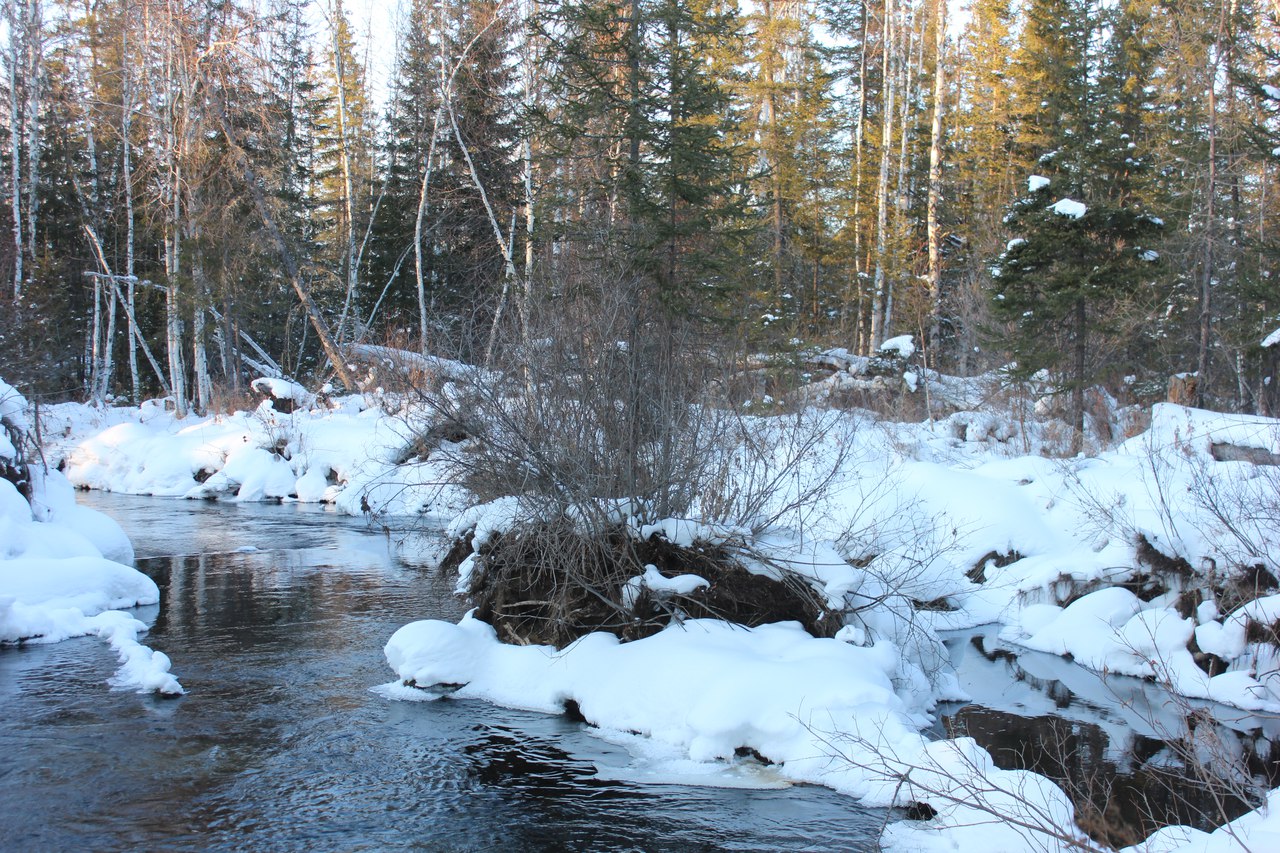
{"x": 596, "y": 420}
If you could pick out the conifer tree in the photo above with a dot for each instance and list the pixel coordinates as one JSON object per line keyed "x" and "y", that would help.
{"x": 639, "y": 134}
{"x": 1082, "y": 235}
{"x": 456, "y": 57}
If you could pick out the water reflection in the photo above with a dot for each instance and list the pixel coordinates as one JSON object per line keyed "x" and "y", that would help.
{"x": 1132, "y": 756}
{"x": 280, "y": 745}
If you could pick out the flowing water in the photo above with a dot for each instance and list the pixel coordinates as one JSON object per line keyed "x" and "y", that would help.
{"x": 280, "y": 745}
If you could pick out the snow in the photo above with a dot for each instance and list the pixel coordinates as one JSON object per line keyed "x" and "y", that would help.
{"x": 824, "y": 711}
{"x": 656, "y": 582}
{"x": 902, "y": 345}
{"x": 347, "y": 453}
{"x": 13, "y": 419}
{"x": 1271, "y": 339}
{"x": 1035, "y": 183}
{"x": 1069, "y": 208}
{"x": 282, "y": 389}
{"x": 965, "y": 511}
{"x": 56, "y": 584}
{"x": 1256, "y": 830}
{"x": 63, "y": 572}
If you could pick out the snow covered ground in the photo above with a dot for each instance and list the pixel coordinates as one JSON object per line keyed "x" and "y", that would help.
{"x": 1135, "y": 560}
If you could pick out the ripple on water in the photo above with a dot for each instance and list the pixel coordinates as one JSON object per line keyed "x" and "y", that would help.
{"x": 281, "y": 745}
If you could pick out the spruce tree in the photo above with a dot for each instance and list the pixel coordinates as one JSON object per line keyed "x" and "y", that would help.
{"x": 640, "y": 141}
{"x": 463, "y": 47}
{"x": 1082, "y": 236}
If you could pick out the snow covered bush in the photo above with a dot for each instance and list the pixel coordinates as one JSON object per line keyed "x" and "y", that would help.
{"x": 14, "y": 426}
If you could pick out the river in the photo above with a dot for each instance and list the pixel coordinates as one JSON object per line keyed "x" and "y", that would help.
{"x": 280, "y": 743}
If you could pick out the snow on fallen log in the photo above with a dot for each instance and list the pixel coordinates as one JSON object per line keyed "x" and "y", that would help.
{"x": 407, "y": 362}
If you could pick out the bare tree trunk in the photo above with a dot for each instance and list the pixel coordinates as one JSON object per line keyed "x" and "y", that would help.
{"x": 417, "y": 230}
{"x": 859, "y": 134}
{"x": 95, "y": 347}
{"x": 348, "y": 191}
{"x": 912, "y": 45}
{"x": 1210, "y": 224}
{"x": 882, "y": 187}
{"x": 35, "y": 63}
{"x": 126, "y": 143}
{"x": 15, "y": 143}
{"x": 199, "y": 352}
{"x": 107, "y": 367}
{"x": 171, "y": 192}
{"x": 1077, "y": 387}
{"x": 935, "y": 180}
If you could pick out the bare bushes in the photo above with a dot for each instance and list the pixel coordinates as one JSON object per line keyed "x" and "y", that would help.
{"x": 551, "y": 582}
{"x": 594, "y": 428}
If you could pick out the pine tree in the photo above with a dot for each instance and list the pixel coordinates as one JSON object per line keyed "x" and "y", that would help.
{"x": 639, "y": 142}
{"x": 1082, "y": 237}
{"x": 454, "y": 65}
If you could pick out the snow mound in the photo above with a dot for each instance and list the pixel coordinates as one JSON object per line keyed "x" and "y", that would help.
{"x": 56, "y": 583}
{"x": 824, "y": 711}
{"x": 901, "y": 345}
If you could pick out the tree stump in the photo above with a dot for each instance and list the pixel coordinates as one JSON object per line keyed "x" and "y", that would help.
{"x": 1182, "y": 389}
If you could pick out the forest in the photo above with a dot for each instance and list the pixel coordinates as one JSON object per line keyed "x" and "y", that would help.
{"x": 203, "y": 191}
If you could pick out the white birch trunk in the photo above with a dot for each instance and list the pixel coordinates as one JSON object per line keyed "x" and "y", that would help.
{"x": 417, "y": 232}
{"x": 126, "y": 131}
{"x": 95, "y": 346}
{"x": 172, "y": 194}
{"x": 199, "y": 352}
{"x": 35, "y": 55}
{"x": 15, "y": 143}
{"x": 859, "y": 133}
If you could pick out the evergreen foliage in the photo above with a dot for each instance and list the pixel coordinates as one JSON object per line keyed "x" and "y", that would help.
{"x": 225, "y": 189}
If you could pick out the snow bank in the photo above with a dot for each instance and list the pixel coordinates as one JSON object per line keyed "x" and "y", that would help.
{"x": 952, "y": 523}
{"x": 56, "y": 584}
{"x": 824, "y": 711}
{"x": 1257, "y": 830}
{"x": 62, "y": 571}
{"x": 349, "y": 454}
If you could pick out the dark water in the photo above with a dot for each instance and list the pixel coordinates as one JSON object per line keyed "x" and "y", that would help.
{"x": 280, "y": 745}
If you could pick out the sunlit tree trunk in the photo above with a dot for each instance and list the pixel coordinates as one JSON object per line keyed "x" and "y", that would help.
{"x": 882, "y": 186}
{"x": 935, "y": 177}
